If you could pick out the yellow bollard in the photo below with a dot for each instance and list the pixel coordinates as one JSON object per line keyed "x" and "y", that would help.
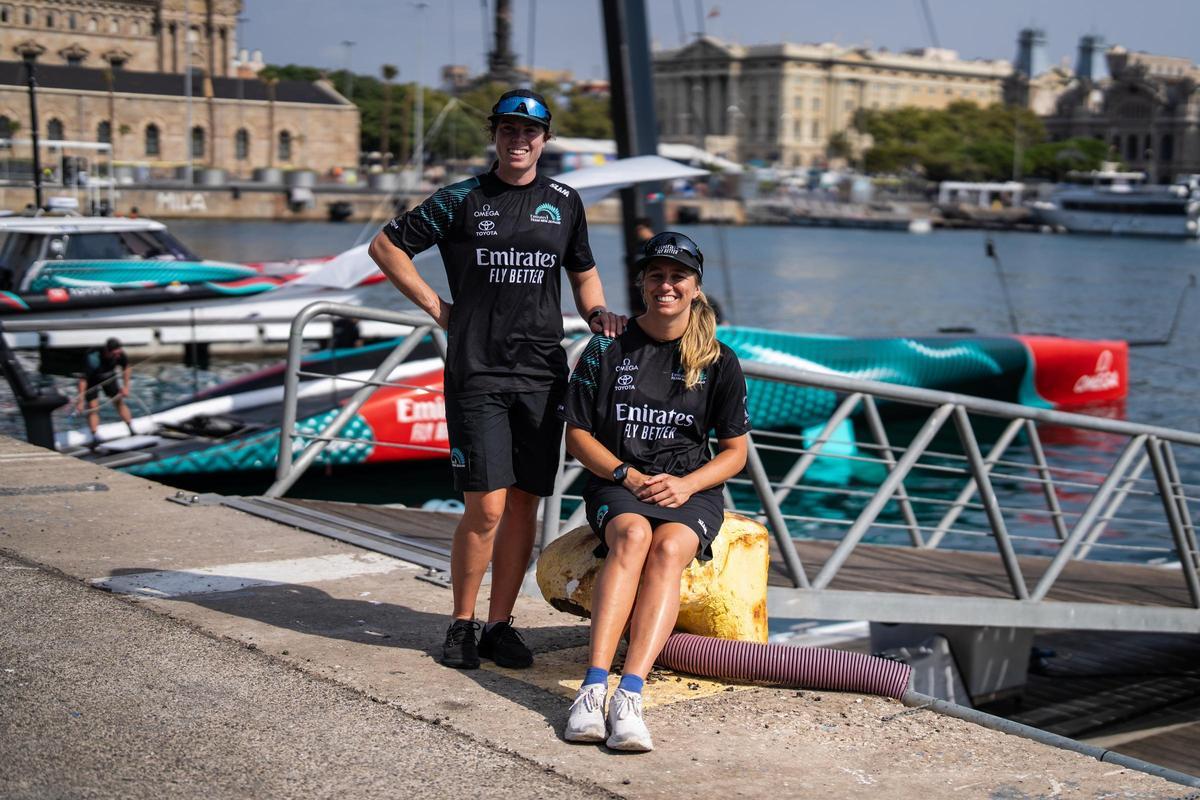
{"x": 725, "y": 597}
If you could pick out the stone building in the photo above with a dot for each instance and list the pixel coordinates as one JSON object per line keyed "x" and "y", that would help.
{"x": 114, "y": 71}
{"x": 781, "y": 103}
{"x": 1148, "y": 112}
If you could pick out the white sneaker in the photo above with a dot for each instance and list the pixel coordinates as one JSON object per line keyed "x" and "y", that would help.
{"x": 629, "y": 730}
{"x": 586, "y": 723}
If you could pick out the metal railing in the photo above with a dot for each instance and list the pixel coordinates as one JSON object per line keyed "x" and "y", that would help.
{"x": 989, "y": 476}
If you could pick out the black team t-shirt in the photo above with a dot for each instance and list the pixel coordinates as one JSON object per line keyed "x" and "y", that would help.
{"x": 502, "y": 246}
{"x": 99, "y": 364}
{"x": 629, "y": 393}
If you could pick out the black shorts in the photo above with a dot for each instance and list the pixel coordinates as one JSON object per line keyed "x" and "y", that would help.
{"x": 505, "y": 439}
{"x": 704, "y": 512}
{"x": 95, "y": 383}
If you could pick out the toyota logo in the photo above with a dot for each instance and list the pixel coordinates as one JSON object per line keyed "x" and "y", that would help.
{"x": 625, "y": 380}
{"x": 486, "y": 225}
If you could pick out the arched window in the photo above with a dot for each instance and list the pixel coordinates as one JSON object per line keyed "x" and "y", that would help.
{"x": 1131, "y": 147}
{"x": 6, "y": 127}
{"x": 152, "y": 143}
{"x": 197, "y": 142}
{"x": 1166, "y": 150}
{"x": 28, "y": 16}
{"x": 4, "y": 14}
{"x": 241, "y": 144}
{"x": 50, "y": 19}
{"x": 136, "y": 28}
{"x": 285, "y": 146}
{"x": 114, "y": 25}
{"x": 104, "y": 132}
{"x": 54, "y": 129}
{"x": 72, "y": 21}
{"x": 93, "y": 25}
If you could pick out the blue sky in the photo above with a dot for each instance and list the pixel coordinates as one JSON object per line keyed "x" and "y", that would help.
{"x": 568, "y": 34}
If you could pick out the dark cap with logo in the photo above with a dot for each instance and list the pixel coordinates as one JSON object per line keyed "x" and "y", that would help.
{"x": 523, "y": 103}
{"x": 675, "y": 246}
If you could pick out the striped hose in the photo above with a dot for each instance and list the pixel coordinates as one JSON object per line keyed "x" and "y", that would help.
{"x": 780, "y": 665}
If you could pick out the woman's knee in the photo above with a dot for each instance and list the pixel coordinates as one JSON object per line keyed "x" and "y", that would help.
{"x": 673, "y": 546}
{"x": 628, "y": 533}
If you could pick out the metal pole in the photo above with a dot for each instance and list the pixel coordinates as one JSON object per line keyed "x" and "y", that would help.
{"x": 987, "y": 493}
{"x": 420, "y": 112}
{"x": 1186, "y": 563}
{"x": 187, "y": 89}
{"x": 1039, "y": 457}
{"x": 1184, "y": 512}
{"x": 351, "y": 408}
{"x": 972, "y": 486}
{"x": 880, "y": 433}
{"x": 552, "y": 505}
{"x": 845, "y": 409}
{"x": 914, "y": 451}
{"x": 1101, "y": 524}
{"x": 762, "y": 485}
{"x": 31, "y": 78}
{"x": 1084, "y": 523}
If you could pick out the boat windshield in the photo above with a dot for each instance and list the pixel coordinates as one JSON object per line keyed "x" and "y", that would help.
{"x": 18, "y": 252}
{"x": 125, "y": 244}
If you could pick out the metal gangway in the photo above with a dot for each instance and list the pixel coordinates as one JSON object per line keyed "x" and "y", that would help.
{"x": 950, "y": 509}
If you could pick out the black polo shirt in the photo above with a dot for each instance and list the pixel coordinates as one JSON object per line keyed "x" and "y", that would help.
{"x": 503, "y": 247}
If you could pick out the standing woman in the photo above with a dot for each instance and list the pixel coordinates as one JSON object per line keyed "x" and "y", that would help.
{"x": 639, "y": 409}
{"x": 503, "y": 238}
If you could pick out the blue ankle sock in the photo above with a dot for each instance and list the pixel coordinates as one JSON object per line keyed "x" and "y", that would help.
{"x": 595, "y": 675}
{"x": 632, "y": 683}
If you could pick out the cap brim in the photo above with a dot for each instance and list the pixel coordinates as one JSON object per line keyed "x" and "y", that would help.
{"x": 641, "y": 263}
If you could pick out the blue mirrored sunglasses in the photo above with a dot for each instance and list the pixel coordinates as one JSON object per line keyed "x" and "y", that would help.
{"x": 523, "y": 105}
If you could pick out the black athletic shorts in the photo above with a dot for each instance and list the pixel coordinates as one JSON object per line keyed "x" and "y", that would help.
{"x": 704, "y": 512}
{"x": 505, "y": 439}
{"x": 107, "y": 382}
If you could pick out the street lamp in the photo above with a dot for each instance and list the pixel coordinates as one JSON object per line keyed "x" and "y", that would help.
{"x": 29, "y": 51}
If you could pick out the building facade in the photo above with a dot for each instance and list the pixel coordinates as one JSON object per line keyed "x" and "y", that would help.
{"x": 114, "y": 71}
{"x": 781, "y": 104}
{"x": 1147, "y": 109}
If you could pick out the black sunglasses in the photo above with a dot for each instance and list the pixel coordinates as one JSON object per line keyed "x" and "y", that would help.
{"x": 671, "y": 239}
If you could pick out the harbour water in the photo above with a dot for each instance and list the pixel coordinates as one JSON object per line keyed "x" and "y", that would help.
{"x": 834, "y": 282}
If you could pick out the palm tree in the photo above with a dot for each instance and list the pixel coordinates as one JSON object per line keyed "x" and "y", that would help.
{"x": 390, "y": 71}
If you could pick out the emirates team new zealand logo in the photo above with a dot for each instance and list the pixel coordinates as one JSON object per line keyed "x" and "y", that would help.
{"x": 546, "y": 213}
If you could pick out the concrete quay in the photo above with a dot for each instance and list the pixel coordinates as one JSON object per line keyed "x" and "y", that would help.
{"x": 148, "y": 647}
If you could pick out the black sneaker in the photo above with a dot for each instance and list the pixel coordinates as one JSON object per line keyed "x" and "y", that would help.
{"x": 460, "y": 651}
{"x": 505, "y": 646}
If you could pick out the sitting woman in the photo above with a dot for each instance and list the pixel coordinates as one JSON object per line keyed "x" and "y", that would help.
{"x": 639, "y": 409}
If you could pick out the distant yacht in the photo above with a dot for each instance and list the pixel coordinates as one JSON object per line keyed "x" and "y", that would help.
{"x": 1120, "y": 203}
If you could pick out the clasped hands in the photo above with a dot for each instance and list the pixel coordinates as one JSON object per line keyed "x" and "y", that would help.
{"x": 668, "y": 491}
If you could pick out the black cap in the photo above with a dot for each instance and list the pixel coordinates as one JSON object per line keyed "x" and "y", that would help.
{"x": 523, "y": 103}
{"x": 675, "y": 246}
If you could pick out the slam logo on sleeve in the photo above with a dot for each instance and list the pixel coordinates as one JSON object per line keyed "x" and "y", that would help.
{"x": 547, "y": 213}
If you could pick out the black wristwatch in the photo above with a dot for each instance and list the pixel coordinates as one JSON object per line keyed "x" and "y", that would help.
{"x": 595, "y": 313}
{"x": 620, "y": 472}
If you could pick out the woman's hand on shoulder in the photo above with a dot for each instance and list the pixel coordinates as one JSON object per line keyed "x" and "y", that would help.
{"x": 665, "y": 490}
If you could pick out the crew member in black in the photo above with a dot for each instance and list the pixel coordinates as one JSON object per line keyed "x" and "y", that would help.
{"x": 503, "y": 237}
{"x": 100, "y": 366}
{"x": 639, "y": 409}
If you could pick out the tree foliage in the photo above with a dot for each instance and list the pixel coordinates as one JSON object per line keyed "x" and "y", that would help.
{"x": 464, "y": 132}
{"x": 963, "y": 141}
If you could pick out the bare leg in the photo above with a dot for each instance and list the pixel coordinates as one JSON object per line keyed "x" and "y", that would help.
{"x": 472, "y": 547}
{"x": 628, "y": 537}
{"x": 93, "y": 416}
{"x": 510, "y": 555}
{"x": 673, "y": 547}
{"x": 123, "y": 410}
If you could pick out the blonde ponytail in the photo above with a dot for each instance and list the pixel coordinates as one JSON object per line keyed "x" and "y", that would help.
{"x": 698, "y": 348}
